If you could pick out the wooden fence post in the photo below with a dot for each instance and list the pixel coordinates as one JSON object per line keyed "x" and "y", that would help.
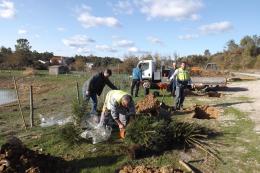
{"x": 77, "y": 89}
{"x": 31, "y": 107}
{"x": 19, "y": 103}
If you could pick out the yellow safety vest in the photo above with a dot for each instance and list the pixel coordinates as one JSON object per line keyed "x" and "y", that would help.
{"x": 183, "y": 75}
{"x": 113, "y": 95}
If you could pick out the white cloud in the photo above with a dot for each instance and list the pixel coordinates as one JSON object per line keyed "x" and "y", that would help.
{"x": 188, "y": 36}
{"x": 87, "y": 20}
{"x": 61, "y": 29}
{"x": 105, "y": 48}
{"x": 123, "y": 7}
{"x": 135, "y": 50}
{"x": 77, "y": 41}
{"x": 217, "y": 27}
{"x": 22, "y": 31}
{"x": 84, "y": 50}
{"x": 171, "y": 9}
{"x": 124, "y": 43}
{"x": 154, "y": 40}
{"x": 7, "y": 9}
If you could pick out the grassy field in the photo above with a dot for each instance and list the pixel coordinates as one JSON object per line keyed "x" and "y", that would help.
{"x": 238, "y": 145}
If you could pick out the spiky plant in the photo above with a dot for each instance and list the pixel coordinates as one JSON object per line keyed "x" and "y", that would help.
{"x": 157, "y": 135}
{"x": 147, "y": 132}
{"x": 187, "y": 135}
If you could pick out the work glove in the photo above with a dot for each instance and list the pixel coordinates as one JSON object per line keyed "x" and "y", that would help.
{"x": 121, "y": 126}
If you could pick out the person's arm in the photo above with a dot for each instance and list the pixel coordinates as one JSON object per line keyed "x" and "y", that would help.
{"x": 131, "y": 108}
{"x": 90, "y": 84}
{"x": 174, "y": 75}
{"x": 115, "y": 114}
{"x": 112, "y": 86}
{"x": 170, "y": 73}
{"x": 140, "y": 75}
{"x": 190, "y": 82}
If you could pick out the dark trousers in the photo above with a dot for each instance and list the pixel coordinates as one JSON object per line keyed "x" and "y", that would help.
{"x": 94, "y": 101}
{"x": 135, "y": 84}
{"x": 180, "y": 96}
{"x": 173, "y": 87}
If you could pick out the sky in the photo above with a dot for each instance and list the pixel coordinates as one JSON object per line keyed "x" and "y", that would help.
{"x": 127, "y": 27}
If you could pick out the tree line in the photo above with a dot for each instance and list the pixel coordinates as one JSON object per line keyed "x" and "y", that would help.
{"x": 23, "y": 57}
{"x": 236, "y": 56}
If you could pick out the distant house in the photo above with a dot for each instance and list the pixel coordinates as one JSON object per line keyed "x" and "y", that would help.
{"x": 60, "y": 60}
{"x": 89, "y": 65}
{"x": 58, "y": 69}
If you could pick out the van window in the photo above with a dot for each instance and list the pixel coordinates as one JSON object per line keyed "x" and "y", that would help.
{"x": 145, "y": 66}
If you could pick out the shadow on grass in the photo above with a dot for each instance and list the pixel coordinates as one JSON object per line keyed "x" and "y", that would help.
{"x": 230, "y": 104}
{"x": 233, "y": 89}
{"x": 92, "y": 162}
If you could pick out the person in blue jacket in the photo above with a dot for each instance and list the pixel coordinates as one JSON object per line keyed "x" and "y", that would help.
{"x": 137, "y": 79}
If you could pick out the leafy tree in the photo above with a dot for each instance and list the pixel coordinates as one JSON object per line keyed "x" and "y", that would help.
{"x": 256, "y": 40}
{"x": 257, "y": 63}
{"x": 80, "y": 64}
{"x": 22, "y": 45}
{"x": 22, "y": 56}
{"x": 231, "y": 45}
{"x": 207, "y": 53}
{"x": 4, "y": 53}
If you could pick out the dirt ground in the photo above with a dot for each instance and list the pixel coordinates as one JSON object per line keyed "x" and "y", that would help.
{"x": 251, "y": 90}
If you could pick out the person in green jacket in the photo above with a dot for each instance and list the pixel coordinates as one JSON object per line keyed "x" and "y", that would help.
{"x": 183, "y": 80}
{"x": 120, "y": 106}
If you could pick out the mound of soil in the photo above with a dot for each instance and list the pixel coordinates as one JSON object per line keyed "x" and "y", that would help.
{"x": 16, "y": 158}
{"x": 148, "y": 169}
{"x": 206, "y": 112}
{"x": 209, "y": 94}
{"x": 148, "y": 105}
{"x": 214, "y": 94}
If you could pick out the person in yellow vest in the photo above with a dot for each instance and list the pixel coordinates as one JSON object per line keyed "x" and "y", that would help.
{"x": 120, "y": 106}
{"x": 183, "y": 80}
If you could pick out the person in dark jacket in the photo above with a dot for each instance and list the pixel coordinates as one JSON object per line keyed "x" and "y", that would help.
{"x": 95, "y": 85}
{"x": 137, "y": 79}
{"x": 172, "y": 85}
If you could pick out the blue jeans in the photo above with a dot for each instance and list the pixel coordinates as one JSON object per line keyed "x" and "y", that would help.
{"x": 94, "y": 102}
{"x": 180, "y": 96}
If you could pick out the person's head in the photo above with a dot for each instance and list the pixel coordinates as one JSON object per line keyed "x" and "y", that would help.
{"x": 140, "y": 66}
{"x": 183, "y": 65}
{"x": 107, "y": 73}
{"x": 125, "y": 101}
{"x": 174, "y": 64}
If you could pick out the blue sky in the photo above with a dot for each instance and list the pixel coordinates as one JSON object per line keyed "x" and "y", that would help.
{"x": 122, "y": 27}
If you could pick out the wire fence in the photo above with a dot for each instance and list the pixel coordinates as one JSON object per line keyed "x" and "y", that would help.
{"x": 42, "y": 95}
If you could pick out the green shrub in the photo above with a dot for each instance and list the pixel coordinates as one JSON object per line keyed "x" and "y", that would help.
{"x": 147, "y": 132}
{"x": 70, "y": 134}
{"x": 79, "y": 110}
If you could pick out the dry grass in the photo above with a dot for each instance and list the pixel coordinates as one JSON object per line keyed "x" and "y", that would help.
{"x": 29, "y": 72}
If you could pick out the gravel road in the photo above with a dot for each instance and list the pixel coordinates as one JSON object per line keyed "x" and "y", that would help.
{"x": 253, "y": 108}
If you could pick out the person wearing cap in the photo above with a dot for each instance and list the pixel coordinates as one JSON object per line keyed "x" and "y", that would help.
{"x": 120, "y": 106}
{"x": 183, "y": 80}
{"x": 94, "y": 86}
